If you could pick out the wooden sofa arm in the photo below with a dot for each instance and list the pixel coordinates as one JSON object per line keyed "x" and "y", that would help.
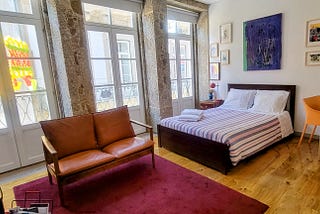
{"x": 51, "y": 155}
{"x": 148, "y": 127}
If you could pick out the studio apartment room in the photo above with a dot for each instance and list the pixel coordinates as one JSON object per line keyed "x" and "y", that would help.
{"x": 159, "y": 106}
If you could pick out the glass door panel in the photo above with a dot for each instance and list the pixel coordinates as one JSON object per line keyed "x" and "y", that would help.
{"x": 26, "y": 72}
{"x": 181, "y": 65}
{"x": 25, "y": 84}
{"x": 102, "y": 69}
{"x": 128, "y": 70}
{"x": 20, "y": 6}
{"x": 3, "y": 121}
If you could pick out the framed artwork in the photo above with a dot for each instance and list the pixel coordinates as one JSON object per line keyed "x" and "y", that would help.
{"x": 262, "y": 45}
{"x": 313, "y": 33}
{"x": 214, "y": 71}
{"x": 224, "y": 57}
{"x": 214, "y": 50}
{"x": 225, "y": 33}
{"x": 313, "y": 58}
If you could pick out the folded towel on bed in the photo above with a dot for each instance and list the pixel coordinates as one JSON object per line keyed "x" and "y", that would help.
{"x": 190, "y": 117}
{"x": 192, "y": 112}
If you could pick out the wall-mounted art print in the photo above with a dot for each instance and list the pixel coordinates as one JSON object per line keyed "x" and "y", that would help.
{"x": 262, "y": 45}
{"x": 214, "y": 50}
{"x": 313, "y": 33}
{"x": 214, "y": 69}
{"x": 224, "y": 57}
{"x": 313, "y": 58}
{"x": 225, "y": 33}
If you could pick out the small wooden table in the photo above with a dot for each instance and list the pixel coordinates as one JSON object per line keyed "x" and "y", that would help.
{"x": 206, "y": 104}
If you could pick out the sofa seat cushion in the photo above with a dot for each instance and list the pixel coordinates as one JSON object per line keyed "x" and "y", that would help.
{"x": 127, "y": 146}
{"x": 82, "y": 161}
{"x": 112, "y": 125}
{"x": 70, "y": 135}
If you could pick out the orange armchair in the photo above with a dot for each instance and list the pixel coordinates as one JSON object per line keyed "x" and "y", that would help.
{"x": 312, "y": 109}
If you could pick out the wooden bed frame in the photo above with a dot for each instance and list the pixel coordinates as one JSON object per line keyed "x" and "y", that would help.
{"x": 210, "y": 153}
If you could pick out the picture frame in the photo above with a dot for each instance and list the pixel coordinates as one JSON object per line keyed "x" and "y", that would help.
{"x": 214, "y": 71}
{"x": 225, "y": 33}
{"x": 262, "y": 35}
{"x": 214, "y": 50}
{"x": 224, "y": 57}
{"x": 313, "y": 33}
{"x": 313, "y": 58}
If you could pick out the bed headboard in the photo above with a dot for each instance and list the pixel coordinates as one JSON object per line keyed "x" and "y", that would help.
{"x": 290, "y": 88}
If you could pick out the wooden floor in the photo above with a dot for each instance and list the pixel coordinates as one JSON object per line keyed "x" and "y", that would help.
{"x": 283, "y": 177}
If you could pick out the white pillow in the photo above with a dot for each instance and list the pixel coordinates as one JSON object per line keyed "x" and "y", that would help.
{"x": 270, "y": 101}
{"x": 239, "y": 99}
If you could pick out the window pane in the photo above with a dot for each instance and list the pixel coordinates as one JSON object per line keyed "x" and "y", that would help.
{"x": 26, "y": 75}
{"x": 174, "y": 89}
{"x": 97, "y": 14}
{"x": 172, "y": 48}
{"x": 18, "y": 6}
{"x": 128, "y": 71}
{"x": 20, "y": 40}
{"x": 32, "y": 107}
{"x": 186, "y": 88}
{"x": 99, "y": 44}
{"x": 173, "y": 69}
{"x": 171, "y": 26}
{"x": 102, "y": 72}
{"x": 121, "y": 18}
{"x": 125, "y": 46}
{"x": 3, "y": 121}
{"x": 105, "y": 98}
{"x": 184, "y": 28}
{"x": 130, "y": 95}
{"x": 185, "y": 49}
{"x": 186, "y": 69}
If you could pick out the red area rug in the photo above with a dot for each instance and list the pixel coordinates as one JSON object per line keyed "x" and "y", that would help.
{"x": 136, "y": 188}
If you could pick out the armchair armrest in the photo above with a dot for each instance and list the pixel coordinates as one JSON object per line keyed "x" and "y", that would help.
{"x": 51, "y": 154}
{"x": 148, "y": 127}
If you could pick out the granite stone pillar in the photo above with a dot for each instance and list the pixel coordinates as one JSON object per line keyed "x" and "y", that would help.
{"x": 70, "y": 52}
{"x": 157, "y": 71}
{"x": 203, "y": 55}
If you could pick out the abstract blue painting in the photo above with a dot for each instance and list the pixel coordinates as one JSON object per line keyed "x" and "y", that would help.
{"x": 262, "y": 45}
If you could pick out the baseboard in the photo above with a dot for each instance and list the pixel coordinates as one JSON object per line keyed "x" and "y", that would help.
{"x": 306, "y": 135}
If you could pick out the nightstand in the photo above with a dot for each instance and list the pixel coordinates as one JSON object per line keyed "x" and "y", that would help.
{"x": 205, "y": 104}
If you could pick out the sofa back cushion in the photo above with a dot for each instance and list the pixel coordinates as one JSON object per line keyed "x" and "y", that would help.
{"x": 112, "y": 125}
{"x": 71, "y": 134}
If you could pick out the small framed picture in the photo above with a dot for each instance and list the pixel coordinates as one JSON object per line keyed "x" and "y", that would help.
{"x": 313, "y": 58}
{"x": 214, "y": 50}
{"x": 214, "y": 71}
{"x": 225, "y": 33}
{"x": 313, "y": 33}
{"x": 224, "y": 57}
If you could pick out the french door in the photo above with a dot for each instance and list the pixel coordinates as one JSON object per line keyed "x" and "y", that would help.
{"x": 115, "y": 66}
{"x": 115, "y": 62}
{"x": 181, "y": 73}
{"x": 26, "y": 95}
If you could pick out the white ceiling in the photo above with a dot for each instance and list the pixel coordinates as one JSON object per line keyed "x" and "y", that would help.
{"x": 208, "y": 1}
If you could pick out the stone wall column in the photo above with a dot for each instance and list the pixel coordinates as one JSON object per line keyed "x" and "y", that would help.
{"x": 69, "y": 42}
{"x": 203, "y": 55}
{"x": 157, "y": 70}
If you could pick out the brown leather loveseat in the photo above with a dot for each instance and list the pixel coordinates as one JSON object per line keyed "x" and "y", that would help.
{"x": 79, "y": 146}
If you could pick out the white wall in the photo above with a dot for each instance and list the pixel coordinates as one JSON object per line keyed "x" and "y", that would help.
{"x": 295, "y": 14}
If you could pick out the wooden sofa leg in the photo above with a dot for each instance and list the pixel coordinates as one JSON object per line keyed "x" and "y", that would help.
{"x": 153, "y": 162}
{"x": 50, "y": 177}
{"x": 60, "y": 188}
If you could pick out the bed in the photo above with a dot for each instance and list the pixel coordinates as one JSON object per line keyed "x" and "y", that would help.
{"x": 211, "y": 148}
